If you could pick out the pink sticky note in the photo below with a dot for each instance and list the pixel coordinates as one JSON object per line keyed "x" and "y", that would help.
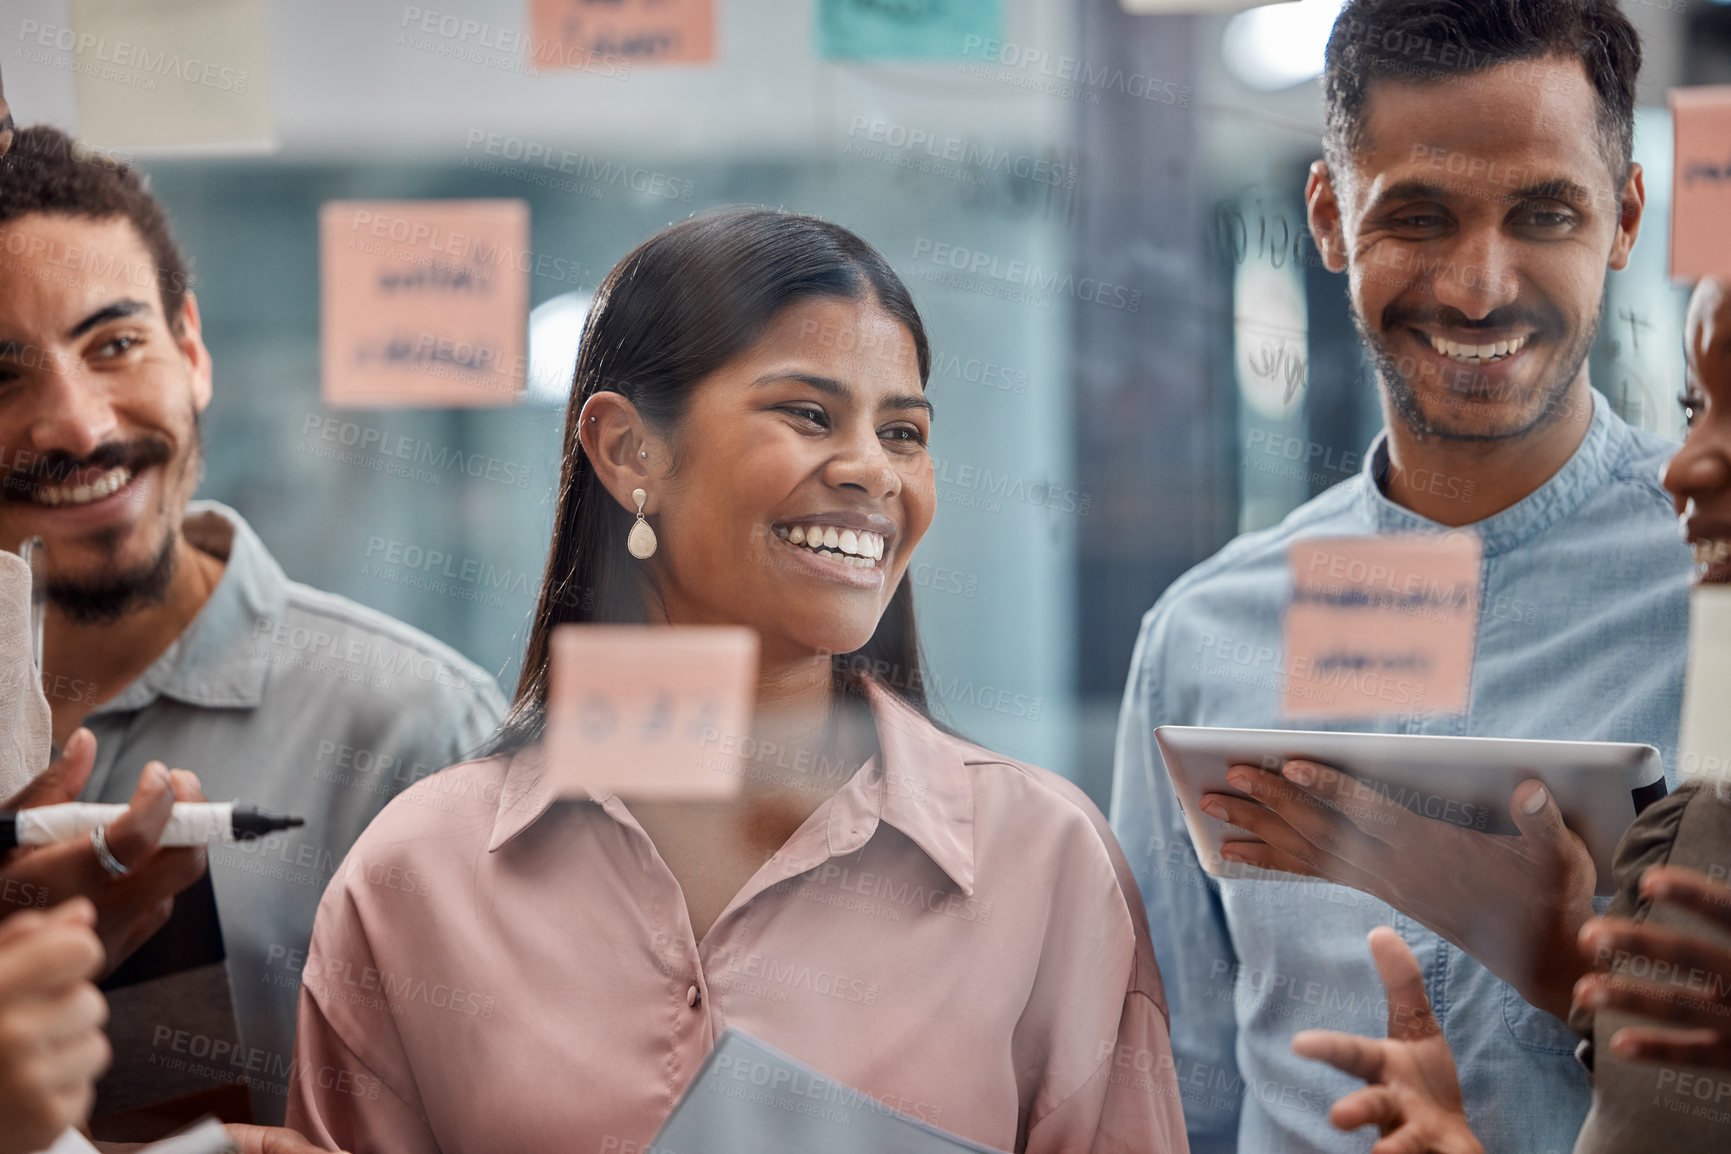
{"x": 1701, "y": 183}
{"x": 576, "y": 33}
{"x": 423, "y": 302}
{"x": 649, "y": 711}
{"x": 1381, "y": 626}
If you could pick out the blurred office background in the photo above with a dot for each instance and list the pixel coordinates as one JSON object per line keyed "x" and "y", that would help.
{"x": 1137, "y": 356}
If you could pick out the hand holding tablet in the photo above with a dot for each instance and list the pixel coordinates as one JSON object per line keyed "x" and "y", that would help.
{"x": 1516, "y": 904}
{"x": 1416, "y": 825}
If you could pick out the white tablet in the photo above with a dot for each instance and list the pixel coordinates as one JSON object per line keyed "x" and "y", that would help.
{"x": 1600, "y": 785}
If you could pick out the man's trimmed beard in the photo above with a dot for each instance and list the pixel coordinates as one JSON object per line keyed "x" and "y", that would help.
{"x": 1410, "y": 410}
{"x": 113, "y": 593}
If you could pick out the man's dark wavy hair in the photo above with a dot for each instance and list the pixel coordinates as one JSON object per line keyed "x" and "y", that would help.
{"x": 1421, "y": 41}
{"x": 48, "y": 172}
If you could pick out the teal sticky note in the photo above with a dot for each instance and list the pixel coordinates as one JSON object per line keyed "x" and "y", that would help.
{"x": 905, "y": 29}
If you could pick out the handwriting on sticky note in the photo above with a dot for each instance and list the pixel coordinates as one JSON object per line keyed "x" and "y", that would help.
{"x": 1381, "y": 626}
{"x": 649, "y": 711}
{"x": 423, "y": 302}
{"x": 631, "y": 31}
{"x": 929, "y": 30}
{"x": 1701, "y": 181}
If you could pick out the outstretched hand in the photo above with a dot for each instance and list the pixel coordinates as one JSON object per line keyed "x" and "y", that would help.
{"x": 1695, "y": 1007}
{"x": 1414, "y": 1096}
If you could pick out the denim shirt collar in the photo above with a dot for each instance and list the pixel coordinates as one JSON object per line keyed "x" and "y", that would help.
{"x": 214, "y": 664}
{"x": 1588, "y": 470}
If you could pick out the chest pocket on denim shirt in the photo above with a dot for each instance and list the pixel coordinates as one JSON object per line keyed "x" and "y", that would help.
{"x": 1533, "y": 1028}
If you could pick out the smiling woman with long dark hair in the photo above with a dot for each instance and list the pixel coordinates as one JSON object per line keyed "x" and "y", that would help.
{"x": 947, "y": 930}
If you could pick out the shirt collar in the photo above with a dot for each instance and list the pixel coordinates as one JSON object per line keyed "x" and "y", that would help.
{"x": 213, "y": 663}
{"x": 1588, "y": 470}
{"x": 919, "y": 784}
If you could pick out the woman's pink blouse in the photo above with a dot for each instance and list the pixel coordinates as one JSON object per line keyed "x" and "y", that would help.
{"x": 956, "y": 934}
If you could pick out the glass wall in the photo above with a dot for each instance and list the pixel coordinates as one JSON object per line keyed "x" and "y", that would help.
{"x": 1136, "y": 352}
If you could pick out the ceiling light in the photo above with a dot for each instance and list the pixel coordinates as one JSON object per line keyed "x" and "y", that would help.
{"x": 555, "y": 331}
{"x": 1279, "y": 45}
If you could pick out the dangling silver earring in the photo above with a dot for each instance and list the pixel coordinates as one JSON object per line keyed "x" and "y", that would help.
{"x": 641, "y": 541}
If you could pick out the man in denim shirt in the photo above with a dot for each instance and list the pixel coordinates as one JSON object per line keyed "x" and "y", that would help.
{"x": 1477, "y": 187}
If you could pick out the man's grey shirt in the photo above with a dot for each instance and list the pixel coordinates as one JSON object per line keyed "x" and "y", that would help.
{"x": 1582, "y": 635}
{"x": 300, "y": 702}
